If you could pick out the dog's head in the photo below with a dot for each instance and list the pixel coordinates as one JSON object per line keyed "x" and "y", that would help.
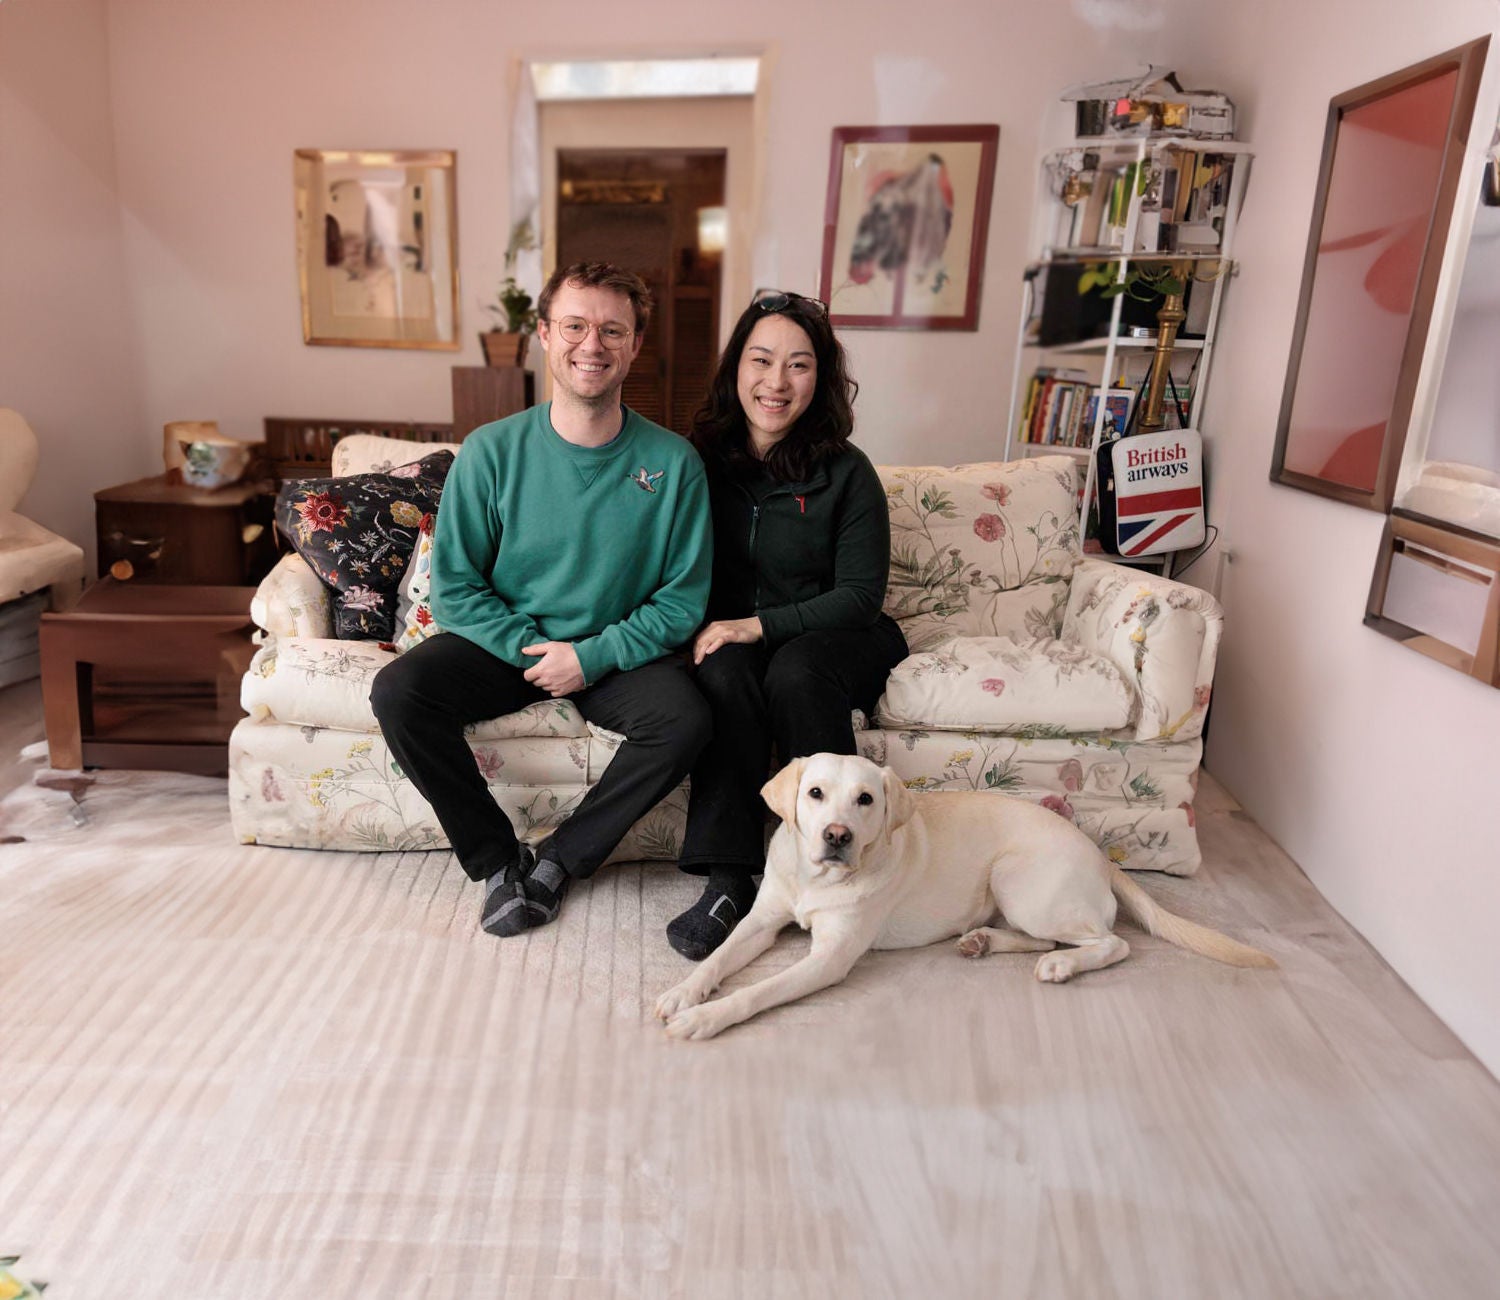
{"x": 838, "y": 806}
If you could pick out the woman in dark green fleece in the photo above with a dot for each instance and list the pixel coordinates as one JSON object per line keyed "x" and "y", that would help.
{"x": 795, "y": 637}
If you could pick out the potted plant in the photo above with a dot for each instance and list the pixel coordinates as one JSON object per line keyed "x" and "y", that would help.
{"x": 1147, "y": 280}
{"x": 513, "y": 310}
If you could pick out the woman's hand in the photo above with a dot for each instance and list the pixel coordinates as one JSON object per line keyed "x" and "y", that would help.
{"x": 727, "y": 631}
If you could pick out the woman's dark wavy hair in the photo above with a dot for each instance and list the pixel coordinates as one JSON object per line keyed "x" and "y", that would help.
{"x": 720, "y": 430}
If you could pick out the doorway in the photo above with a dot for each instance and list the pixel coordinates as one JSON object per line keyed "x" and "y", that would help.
{"x": 659, "y": 212}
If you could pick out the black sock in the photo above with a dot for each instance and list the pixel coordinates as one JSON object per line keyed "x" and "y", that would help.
{"x": 726, "y": 898}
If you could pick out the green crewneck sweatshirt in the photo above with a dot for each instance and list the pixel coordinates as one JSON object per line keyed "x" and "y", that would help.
{"x": 608, "y": 548}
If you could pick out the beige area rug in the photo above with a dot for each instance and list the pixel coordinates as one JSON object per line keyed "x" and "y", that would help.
{"x": 252, "y": 1072}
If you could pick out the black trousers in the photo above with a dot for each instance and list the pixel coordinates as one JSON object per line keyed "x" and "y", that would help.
{"x": 798, "y": 696}
{"x": 425, "y": 698}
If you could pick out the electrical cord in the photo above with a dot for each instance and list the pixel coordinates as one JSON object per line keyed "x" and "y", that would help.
{"x": 1213, "y": 536}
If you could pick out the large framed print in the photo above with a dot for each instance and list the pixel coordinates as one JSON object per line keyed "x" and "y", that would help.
{"x": 1392, "y": 156}
{"x": 377, "y": 247}
{"x": 906, "y": 225}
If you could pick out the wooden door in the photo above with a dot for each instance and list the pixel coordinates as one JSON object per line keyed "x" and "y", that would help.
{"x": 640, "y": 210}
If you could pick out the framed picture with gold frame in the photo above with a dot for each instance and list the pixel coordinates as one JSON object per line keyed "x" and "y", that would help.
{"x": 377, "y": 247}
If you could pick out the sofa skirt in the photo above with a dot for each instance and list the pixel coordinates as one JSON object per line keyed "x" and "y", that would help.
{"x": 319, "y": 788}
{"x": 1134, "y": 799}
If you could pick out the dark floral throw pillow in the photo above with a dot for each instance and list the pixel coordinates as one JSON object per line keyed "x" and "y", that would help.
{"x": 358, "y": 533}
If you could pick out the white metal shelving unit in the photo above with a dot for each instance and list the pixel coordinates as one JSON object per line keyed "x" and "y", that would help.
{"x": 1051, "y": 214}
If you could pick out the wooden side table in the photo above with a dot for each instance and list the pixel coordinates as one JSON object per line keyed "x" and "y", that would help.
{"x": 170, "y": 532}
{"x": 145, "y": 676}
{"x": 485, "y": 393}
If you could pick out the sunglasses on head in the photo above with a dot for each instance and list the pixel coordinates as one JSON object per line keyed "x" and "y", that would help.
{"x": 781, "y": 299}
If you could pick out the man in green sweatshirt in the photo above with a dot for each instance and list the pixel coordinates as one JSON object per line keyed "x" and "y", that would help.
{"x": 572, "y": 556}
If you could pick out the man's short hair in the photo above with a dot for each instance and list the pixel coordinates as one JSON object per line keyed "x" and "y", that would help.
{"x": 600, "y": 275}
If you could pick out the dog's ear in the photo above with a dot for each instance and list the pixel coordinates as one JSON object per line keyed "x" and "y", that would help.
{"x": 899, "y": 802}
{"x": 780, "y": 792}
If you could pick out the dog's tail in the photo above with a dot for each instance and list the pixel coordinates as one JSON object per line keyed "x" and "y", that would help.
{"x": 1156, "y": 920}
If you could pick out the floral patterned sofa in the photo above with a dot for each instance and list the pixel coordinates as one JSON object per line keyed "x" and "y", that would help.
{"x": 1075, "y": 682}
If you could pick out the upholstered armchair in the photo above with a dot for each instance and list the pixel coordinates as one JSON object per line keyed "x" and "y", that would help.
{"x": 38, "y": 569}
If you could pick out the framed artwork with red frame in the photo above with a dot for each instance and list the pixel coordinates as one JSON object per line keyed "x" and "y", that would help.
{"x": 906, "y": 225}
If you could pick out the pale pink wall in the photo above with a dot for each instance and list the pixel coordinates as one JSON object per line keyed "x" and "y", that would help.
{"x": 68, "y": 356}
{"x": 1373, "y": 766}
{"x": 211, "y": 99}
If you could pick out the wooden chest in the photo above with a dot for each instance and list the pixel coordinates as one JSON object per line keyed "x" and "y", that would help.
{"x": 171, "y": 533}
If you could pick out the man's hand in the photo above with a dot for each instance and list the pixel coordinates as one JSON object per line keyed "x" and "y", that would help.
{"x": 558, "y": 672}
{"x": 727, "y": 631}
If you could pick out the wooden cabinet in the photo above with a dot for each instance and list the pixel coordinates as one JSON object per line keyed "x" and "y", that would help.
{"x": 170, "y": 533}
{"x": 485, "y": 393}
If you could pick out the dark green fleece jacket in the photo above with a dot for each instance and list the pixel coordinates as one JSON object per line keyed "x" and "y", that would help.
{"x": 804, "y": 557}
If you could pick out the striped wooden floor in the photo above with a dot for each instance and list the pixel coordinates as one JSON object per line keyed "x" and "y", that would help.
{"x": 245, "y": 1072}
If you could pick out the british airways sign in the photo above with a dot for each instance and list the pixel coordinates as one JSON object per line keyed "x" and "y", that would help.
{"x": 1158, "y": 491}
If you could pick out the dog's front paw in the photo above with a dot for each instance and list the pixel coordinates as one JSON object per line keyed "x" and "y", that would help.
{"x": 676, "y": 999}
{"x": 974, "y": 944}
{"x": 702, "y": 1021}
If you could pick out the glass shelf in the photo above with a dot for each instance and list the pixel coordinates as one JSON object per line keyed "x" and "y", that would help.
{"x": 1133, "y": 143}
{"x": 1086, "y": 346}
{"x": 1048, "y": 448}
{"x": 1054, "y": 256}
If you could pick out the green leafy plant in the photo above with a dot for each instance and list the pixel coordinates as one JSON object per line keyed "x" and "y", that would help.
{"x": 514, "y": 309}
{"x": 1145, "y": 281}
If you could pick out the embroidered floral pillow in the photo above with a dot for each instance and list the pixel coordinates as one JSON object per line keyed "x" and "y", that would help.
{"x": 358, "y": 532}
{"x": 414, "y": 608}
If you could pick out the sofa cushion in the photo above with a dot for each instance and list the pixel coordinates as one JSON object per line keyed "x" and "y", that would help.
{"x": 318, "y": 682}
{"x": 981, "y": 550}
{"x": 998, "y": 685}
{"x": 1162, "y": 635}
{"x": 357, "y": 534}
{"x": 414, "y": 600}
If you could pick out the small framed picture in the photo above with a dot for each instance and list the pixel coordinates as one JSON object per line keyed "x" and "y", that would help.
{"x": 377, "y": 248}
{"x": 906, "y": 224}
{"x": 1118, "y": 403}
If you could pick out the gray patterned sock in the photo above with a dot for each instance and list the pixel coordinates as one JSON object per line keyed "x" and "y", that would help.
{"x": 504, "y": 913}
{"x": 545, "y": 886}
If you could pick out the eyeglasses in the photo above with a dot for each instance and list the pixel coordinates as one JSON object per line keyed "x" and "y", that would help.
{"x": 781, "y": 299}
{"x": 575, "y": 329}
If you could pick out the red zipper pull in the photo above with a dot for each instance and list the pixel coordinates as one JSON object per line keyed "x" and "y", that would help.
{"x": 801, "y": 505}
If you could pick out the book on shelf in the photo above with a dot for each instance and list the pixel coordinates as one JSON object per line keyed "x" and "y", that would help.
{"x": 1117, "y": 406}
{"x": 1040, "y": 411}
{"x": 1061, "y": 405}
{"x": 1090, "y": 227}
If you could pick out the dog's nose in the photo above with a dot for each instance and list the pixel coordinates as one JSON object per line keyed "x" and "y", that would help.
{"x": 836, "y": 836}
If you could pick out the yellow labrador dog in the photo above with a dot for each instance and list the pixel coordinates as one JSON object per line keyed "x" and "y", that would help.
{"x": 863, "y": 863}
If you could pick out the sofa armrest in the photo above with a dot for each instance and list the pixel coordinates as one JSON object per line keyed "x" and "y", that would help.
{"x": 1163, "y": 635}
{"x": 292, "y": 601}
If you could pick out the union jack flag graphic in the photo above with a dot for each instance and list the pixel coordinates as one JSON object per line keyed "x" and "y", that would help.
{"x": 1158, "y": 492}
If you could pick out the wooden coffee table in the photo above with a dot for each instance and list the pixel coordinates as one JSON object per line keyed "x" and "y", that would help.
{"x": 145, "y": 676}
